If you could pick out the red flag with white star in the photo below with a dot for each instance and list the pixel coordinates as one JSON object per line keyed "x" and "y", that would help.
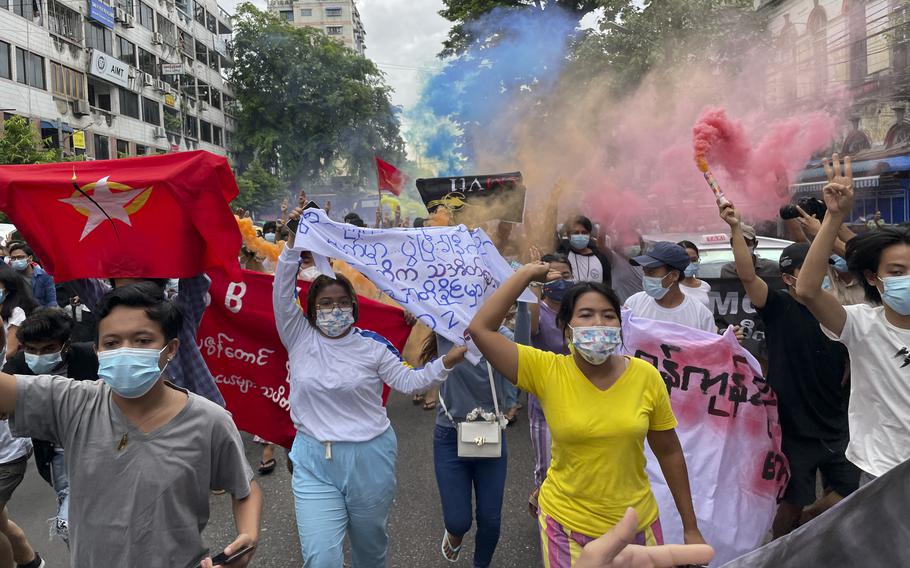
{"x": 161, "y": 216}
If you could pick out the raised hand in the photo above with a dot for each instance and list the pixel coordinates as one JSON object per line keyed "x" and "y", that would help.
{"x": 839, "y": 191}
{"x": 285, "y": 204}
{"x": 729, "y": 214}
{"x": 810, "y": 224}
{"x": 539, "y": 271}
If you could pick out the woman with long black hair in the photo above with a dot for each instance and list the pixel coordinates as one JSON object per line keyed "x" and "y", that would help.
{"x": 16, "y": 304}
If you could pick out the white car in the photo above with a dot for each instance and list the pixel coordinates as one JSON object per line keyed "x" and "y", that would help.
{"x": 715, "y": 249}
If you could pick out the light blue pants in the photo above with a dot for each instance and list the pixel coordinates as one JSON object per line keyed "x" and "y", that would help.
{"x": 350, "y": 492}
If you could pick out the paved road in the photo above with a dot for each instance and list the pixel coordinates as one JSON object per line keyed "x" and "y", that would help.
{"x": 416, "y": 522}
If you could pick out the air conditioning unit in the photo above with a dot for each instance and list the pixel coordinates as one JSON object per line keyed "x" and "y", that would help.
{"x": 81, "y": 108}
{"x": 119, "y": 15}
{"x": 157, "y": 38}
{"x": 160, "y": 85}
{"x": 147, "y": 79}
{"x": 158, "y": 132}
{"x": 130, "y": 21}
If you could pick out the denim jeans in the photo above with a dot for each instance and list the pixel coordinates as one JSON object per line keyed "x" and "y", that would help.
{"x": 61, "y": 484}
{"x": 457, "y": 478}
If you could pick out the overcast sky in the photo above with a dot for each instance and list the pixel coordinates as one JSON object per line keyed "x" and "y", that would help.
{"x": 403, "y": 38}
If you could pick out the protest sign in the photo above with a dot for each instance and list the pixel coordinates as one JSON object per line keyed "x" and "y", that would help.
{"x": 239, "y": 342}
{"x": 728, "y": 428}
{"x": 440, "y": 274}
{"x": 866, "y": 529}
{"x": 479, "y": 198}
{"x": 731, "y": 306}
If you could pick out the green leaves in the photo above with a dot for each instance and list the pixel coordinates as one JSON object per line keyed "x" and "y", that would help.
{"x": 310, "y": 108}
{"x": 20, "y": 144}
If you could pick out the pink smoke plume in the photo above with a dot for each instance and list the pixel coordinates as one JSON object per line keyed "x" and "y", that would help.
{"x": 762, "y": 170}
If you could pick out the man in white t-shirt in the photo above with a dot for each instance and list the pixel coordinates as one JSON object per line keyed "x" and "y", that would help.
{"x": 664, "y": 266}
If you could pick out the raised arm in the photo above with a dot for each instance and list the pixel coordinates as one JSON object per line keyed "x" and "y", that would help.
{"x": 484, "y": 329}
{"x": 839, "y": 199}
{"x": 396, "y": 373}
{"x": 7, "y": 394}
{"x": 756, "y": 288}
{"x": 289, "y": 318}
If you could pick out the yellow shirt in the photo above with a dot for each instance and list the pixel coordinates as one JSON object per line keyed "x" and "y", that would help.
{"x": 598, "y": 467}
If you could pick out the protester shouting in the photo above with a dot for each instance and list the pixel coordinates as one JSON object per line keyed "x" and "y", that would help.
{"x": 691, "y": 285}
{"x": 47, "y": 350}
{"x": 546, "y": 335}
{"x": 600, "y": 408}
{"x": 16, "y": 303}
{"x": 589, "y": 264}
{"x": 876, "y": 336}
{"x": 345, "y": 450}
{"x": 806, "y": 370}
{"x": 664, "y": 267}
{"x": 142, "y": 455}
{"x": 22, "y": 260}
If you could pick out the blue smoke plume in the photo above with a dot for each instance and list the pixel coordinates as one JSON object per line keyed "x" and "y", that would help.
{"x": 519, "y": 53}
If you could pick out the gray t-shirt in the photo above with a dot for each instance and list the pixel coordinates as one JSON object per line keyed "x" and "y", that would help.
{"x": 145, "y": 503}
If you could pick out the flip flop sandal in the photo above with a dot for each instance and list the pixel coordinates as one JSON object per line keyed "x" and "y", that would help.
{"x": 455, "y": 550}
{"x": 267, "y": 467}
{"x": 429, "y": 405}
{"x": 418, "y": 398}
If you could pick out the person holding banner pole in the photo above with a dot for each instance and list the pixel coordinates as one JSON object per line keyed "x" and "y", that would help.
{"x": 806, "y": 370}
{"x": 876, "y": 336}
{"x": 598, "y": 467}
{"x": 345, "y": 450}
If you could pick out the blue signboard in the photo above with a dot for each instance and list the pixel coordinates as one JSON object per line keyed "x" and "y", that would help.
{"x": 101, "y": 13}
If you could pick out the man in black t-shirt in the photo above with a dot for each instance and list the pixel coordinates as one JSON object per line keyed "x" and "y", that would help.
{"x": 807, "y": 371}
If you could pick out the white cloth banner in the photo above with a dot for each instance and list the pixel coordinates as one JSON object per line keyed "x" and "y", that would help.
{"x": 728, "y": 428}
{"x": 440, "y": 274}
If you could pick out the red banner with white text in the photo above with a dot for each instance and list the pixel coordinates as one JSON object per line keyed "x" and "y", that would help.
{"x": 240, "y": 345}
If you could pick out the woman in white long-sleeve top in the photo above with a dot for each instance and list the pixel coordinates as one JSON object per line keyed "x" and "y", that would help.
{"x": 345, "y": 450}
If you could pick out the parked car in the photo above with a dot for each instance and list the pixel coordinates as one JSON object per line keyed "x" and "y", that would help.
{"x": 715, "y": 249}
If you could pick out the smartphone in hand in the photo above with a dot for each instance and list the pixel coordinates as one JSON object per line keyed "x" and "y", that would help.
{"x": 223, "y": 559}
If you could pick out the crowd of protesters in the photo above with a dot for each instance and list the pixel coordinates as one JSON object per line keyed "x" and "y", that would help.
{"x": 104, "y": 383}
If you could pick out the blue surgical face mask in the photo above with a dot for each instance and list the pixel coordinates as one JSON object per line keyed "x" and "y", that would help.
{"x": 556, "y": 289}
{"x": 840, "y": 264}
{"x": 691, "y": 270}
{"x": 19, "y": 265}
{"x": 42, "y": 364}
{"x": 897, "y": 293}
{"x": 129, "y": 372}
{"x": 579, "y": 242}
{"x": 654, "y": 286}
{"x": 270, "y": 237}
{"x": 826, "y": 284}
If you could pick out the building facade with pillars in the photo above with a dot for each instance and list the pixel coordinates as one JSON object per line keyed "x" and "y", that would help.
{"x": 134, "y": 78}
{"x": 337, "y": 18}
{"x": 853, "y": 56}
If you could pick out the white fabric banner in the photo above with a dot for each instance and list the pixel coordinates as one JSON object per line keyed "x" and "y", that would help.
{"x": 728, "y": 428}
{"x": 440, "y": 274}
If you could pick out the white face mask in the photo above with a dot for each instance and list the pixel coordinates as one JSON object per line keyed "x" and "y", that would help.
{"x": 309, "y": 274}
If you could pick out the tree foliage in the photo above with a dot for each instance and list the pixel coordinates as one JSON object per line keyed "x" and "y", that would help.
{"x": 309, "y": 107}
{"x": 258, "y": 188}
{"x": 21, "y": 144}
{"x": 669, "y": 35}
{"x": 462, "y": 13}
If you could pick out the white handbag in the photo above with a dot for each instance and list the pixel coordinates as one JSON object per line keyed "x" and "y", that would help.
{"x": 479, "y": 438}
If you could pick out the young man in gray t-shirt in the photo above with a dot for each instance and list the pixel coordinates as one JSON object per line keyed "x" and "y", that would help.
{"x": 142, "y": 454}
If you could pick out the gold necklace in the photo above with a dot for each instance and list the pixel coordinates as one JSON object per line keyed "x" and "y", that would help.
{"x": 125, "y": 440}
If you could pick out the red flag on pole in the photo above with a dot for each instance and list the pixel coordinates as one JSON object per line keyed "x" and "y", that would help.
{"x": 161, "y": 216}
{"x": 390, "y": 179}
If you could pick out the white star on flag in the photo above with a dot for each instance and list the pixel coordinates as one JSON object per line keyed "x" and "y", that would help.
{"x": 113, "y": 203}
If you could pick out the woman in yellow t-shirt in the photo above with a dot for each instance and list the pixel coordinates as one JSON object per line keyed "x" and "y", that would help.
{"x": 600, "y": 408}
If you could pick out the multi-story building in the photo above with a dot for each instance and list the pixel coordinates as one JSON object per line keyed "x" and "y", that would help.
{"x": 337, "y": 18}
{"x": 828, "y": 51}
{"x": 134, "y": 78}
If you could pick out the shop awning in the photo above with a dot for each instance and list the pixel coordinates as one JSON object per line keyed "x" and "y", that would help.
{"x": 46, "y": 124}
{"x": 815, "y": 187}
{"x": 861, "y": 169}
